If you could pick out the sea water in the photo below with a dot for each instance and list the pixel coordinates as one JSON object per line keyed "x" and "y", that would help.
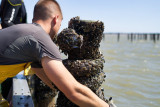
{"x": 132, "y": 71}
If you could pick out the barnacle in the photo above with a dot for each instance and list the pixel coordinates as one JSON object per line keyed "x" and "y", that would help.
{"x": 84, "y": 67}
{"x": 68, "y": 40}
{"x": 37, "y": 86}
{"x": 92, "y": 31}
{"x": 81, "y": 42}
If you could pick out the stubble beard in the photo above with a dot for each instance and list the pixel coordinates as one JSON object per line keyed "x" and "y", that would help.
{"x": 52, "y": 34}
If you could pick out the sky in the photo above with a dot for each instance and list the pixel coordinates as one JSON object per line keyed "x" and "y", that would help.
{"x": 117, "y": 15}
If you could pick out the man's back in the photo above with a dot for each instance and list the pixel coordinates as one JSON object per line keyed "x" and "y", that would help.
{"x": 25, "y": 43}
{"x": 8, "y": 35}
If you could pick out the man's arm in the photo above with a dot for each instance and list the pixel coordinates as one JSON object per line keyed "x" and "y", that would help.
{"x": 41, "y": 74}
{"x": 73, "y": 90}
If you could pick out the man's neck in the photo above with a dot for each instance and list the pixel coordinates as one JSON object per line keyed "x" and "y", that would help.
{"x": 44, "y": 25}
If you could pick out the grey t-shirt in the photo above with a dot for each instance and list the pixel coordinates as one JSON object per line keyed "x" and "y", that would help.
{"x": 26, "y": 43}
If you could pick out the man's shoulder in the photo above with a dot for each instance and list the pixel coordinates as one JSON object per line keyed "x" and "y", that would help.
{"x": 24, "y": 30}
{"x": 27, "y": 27}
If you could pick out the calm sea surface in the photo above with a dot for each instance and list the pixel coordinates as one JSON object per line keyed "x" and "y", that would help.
{"x": 133, "y": 71}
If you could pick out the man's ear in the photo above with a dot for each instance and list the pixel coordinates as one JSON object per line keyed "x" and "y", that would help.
{"x": 55, "y": 19}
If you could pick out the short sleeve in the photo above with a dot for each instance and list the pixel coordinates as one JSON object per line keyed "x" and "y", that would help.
{"x": 47, "y": 46}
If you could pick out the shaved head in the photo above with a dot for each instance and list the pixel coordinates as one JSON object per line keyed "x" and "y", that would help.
{"x": 45, "y": 9}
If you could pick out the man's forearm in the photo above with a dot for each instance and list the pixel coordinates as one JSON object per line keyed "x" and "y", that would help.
{"x": 86, "y": 98}
{"x": 73, "y": 90}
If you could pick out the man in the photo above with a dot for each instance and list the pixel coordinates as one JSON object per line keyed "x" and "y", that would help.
{"x": 25, "y": 43}
{"x": 13, "y": 12}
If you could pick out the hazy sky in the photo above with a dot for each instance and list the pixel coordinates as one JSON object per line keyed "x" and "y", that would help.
{"x": 117, "y": 15}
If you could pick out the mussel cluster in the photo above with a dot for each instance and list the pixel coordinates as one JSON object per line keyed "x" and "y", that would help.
{"x": 41, "y": 93}
{"x": 81, "y": 42}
